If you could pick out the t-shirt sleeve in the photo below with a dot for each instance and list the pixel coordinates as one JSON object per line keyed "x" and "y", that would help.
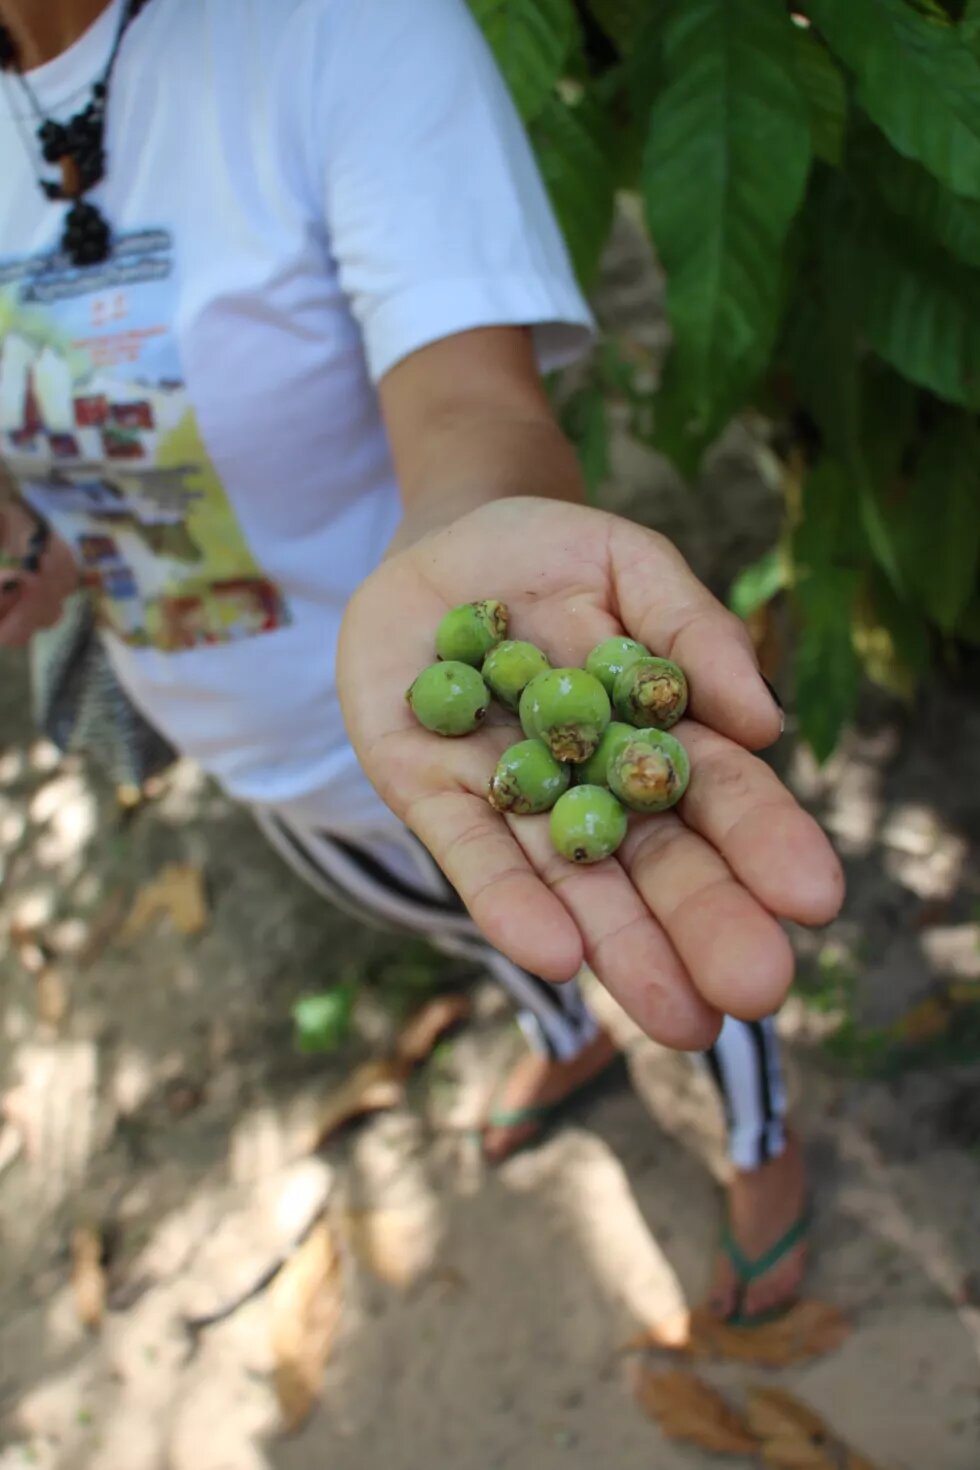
{"x": 437, "y": 215}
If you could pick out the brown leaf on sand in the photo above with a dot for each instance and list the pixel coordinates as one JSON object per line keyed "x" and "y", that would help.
{"x": 794, "y": 1437}
{"x": 305, "y": 1308}
{"x": 373, "y": 1087}
{"x": 177, "y": 893}
{"x": 687, "y": 1408}
{"x": 52, "y": 997}
{"x": 88, "y": 1281}
{"x": 809, "y": 1329}
{"x": 422, "y": 1031}
{"x": 393, "y": 1244}
{"x": 925, "y": 1021}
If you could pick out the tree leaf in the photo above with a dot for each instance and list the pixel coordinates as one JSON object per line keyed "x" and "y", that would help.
{"x": 585, "y": 421}
{"x": 572, "y": 144}
{"x": 620, "y": 19}
{"x": 892, "y": 638}
{"x": 827, "y": 667}
{"x": 88, "y": 1281}
{"x": 322, "y": 1022}
{"x": 809, "y": 1329}
{"x": 916, "y": 78}
{"x": 919, "y": 309}
{"x": 794, "y": 1437}
{"x": 688, "y": 1409}
{"x": 823, "y": 89}
{"x": 970, "y": 25}
{"x": 374, "y": 1087}
{"x": 531, "y": 43}
{"x": 725, "y": 169}
{"x": 758, "y": 584}
{"x": 176, "y": 893}
{"x": 395, "y": 1244}
{"x": 826, "y": 587}
{"x": 915, "y": 195}
{"x": 942, "y": 520}
{"x": 421, "y": 1033}
{"x": 305, "y": 1308}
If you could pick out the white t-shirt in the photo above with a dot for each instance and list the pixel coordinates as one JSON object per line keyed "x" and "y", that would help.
{"x": 302, "y": 192}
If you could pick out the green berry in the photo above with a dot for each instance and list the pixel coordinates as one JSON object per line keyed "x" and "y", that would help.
{"x": 610, "y": 657}
{"x": 587, "y": 824}
{"x": 509, "y": 668}
{"x": 449, "y": 698}
{"x": 527, "y": 779}
{"x": 650, "y": 773}
{"x": 568, "y": 709}
{"x": 651, "y": 692}
{"x": 593, "y": 771}
{"x": 469, "y": 632}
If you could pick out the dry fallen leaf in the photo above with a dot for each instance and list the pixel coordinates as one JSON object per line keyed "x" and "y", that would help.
{"x": 687, "y": 1408}
{"x": 372, "y": 1088}
{"x": 102, "y": 928}
{"x": 925, "y": 1021}
{"x": 809, "y": 1329}
{"x": 177, "y": 893}
{"x": 395, "y": 1244}
{"x": 88, "y": 1282}
{"x": 422, "y": 1031}
{"x": 52, "y": 997}
{"x": 305, "y": 1306}
{"x": 794, "y": 1437}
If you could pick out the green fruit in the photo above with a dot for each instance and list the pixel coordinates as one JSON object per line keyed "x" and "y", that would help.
{"x": 449, "y": 698}
{"x": 568, "y": 709}
{"x": 587, "y": 824}
{"x": 593, "y": 771}
{"x": 509, "y": 668}
{"x": 651, "y": 692}
{"x": 469, "y": 632}
{"x": 650, "y": 773}
{"x": 527, "y": 779}
{"x": 610, "y": 657}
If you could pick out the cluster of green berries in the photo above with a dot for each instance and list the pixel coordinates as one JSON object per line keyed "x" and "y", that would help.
{"x": 597, "y": 739}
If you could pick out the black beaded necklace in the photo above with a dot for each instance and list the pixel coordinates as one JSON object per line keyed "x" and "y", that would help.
{"x": 77, "y": 147}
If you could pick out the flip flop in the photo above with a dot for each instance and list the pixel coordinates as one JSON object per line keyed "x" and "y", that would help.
{"x": 544, "y": 1117}
{"x": 748, "y": 1270}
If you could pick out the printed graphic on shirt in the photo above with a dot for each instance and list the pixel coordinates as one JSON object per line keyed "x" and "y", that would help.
{"x": 98, "y": 430}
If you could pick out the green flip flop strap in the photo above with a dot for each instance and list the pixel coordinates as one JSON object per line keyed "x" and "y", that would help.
{"x": 750, "y": 1270}
{"x": 534, "y": 1114}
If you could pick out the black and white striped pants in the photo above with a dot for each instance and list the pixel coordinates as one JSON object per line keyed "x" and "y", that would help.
{"x": 392, "y": 881}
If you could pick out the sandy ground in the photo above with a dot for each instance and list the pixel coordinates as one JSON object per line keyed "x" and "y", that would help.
{"x": 169, "y": 1104}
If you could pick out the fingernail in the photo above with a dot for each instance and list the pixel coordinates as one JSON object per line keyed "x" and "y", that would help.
{"x": 777, "y": 702}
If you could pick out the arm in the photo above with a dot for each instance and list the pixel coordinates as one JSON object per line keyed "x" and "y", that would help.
{"x": 469, "y": 422}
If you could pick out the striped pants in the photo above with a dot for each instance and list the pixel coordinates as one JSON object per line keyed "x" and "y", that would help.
{"x": 392, "y": 882}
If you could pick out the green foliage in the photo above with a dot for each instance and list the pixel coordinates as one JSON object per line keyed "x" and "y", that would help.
{"x": 531, "y": 42}
{"x": 810, "y": 175}
{"x": 322, "y": 1022}
{"x": 719, "y": 206}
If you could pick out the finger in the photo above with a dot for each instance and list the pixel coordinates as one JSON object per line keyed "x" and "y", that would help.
{"x": 777, "y": 850}
{"x": 486, "y": 865}
{"x": 625, "y": 947}
{"x": 663, "y": 604}
{"x": 737, "y": 955}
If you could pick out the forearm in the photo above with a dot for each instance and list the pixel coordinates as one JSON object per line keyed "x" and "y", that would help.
{"x": 478, "y": 458}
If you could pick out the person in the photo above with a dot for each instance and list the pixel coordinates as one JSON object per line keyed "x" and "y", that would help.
{"x": 278, "y": 284}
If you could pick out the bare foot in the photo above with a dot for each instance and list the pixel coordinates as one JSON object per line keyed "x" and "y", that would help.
{"x": 763, "y": 1204}
{"x": 536, "y": 1081}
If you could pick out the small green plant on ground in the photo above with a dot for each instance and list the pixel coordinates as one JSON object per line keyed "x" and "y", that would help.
{"x": 810, "y": 176}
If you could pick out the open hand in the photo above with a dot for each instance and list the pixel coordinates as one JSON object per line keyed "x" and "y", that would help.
{"x": 681, "y": 925}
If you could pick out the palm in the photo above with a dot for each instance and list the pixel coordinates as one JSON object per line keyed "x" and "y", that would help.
{"x": 680, "y": 924}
